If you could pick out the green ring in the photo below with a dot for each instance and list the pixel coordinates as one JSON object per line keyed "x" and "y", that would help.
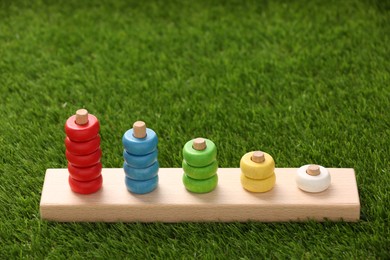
{"x": 200, "y": 173}
{"x": 200, "y": 158}
{"x": 200, "y": 186}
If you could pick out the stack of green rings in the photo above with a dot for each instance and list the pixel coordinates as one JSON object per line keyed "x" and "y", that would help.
{"x": 200, "y": 166}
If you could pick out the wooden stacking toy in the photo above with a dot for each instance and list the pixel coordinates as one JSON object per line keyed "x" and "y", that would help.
{"x": 140, "y": 155}
{"x": 83, "y": 152}
{"x": 200, "y": 165}
{"x": 257, "y": 171}
{"x": 154, "y": 194}
{"x": 313, "y": 178}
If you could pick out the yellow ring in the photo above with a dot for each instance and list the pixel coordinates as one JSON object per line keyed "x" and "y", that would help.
{"x": 257, "y": 171}
{"x": 258, "y": 185}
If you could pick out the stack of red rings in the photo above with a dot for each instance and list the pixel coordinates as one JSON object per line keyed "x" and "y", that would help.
{"x": 83, "y": 152}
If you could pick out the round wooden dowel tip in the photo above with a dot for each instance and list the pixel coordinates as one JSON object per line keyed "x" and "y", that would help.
{"x": 139, "y": 129}
{"x": 313, "y": 170}
{"x": 199, "y": 144}
{"x": 258, "y": 157}
{"x": 81, "y": 116}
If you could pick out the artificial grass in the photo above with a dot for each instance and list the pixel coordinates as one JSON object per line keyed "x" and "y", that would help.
{"x": 306, "y": 81}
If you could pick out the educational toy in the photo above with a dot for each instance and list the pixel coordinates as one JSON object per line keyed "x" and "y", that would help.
{"x": 209, "y": 193}
{"x": 140, "y": 155}
{"x": 83, "y": 152}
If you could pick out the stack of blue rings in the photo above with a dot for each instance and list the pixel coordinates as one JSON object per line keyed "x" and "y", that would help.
{"x": 141, "y": 164}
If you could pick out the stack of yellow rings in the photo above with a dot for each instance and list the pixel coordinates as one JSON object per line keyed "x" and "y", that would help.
{"x": 257, "y": 171}
{"x": 200, "y": 165}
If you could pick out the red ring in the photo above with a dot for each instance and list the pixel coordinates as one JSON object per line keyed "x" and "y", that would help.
{"x": 85, "y": 174}
{"x": 82, "y": 148}
{"x": 86, "y": 187}
{"x": 82, "y": 133}
{"x": 84, "y": 161}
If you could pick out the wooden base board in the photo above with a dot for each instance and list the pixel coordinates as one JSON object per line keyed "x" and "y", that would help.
{"x": 171, "y": 202}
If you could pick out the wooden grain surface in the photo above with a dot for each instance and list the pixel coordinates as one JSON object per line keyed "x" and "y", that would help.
{"x": 171, "y": 202}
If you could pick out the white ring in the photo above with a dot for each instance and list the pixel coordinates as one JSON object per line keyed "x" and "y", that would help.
{"x": 311, "y": 183}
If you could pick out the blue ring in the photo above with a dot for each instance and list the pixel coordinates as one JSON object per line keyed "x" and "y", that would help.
{"x": 141, "y": 187}
{"x": 140, "y": 146}
{"x": 141, "y": 174}
{"x": 140, "y": 161}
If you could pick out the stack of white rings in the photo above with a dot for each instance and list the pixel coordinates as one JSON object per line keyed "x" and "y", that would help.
{"x": 313, "y": 178}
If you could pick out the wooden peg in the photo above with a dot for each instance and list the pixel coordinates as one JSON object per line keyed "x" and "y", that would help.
{"x": 258, "y": 157}
{"x": 313, "y": 170}
{"x": 199, "y": 144}
{"x": 81, "y": 117}
{"x": 139, "y": 129}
